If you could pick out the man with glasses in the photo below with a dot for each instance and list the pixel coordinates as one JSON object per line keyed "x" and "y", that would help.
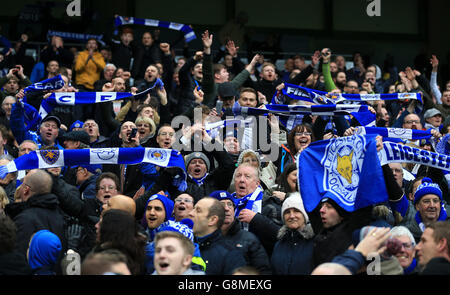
{"x": 412, "y": 121}
{"x": 351, "y": 87}
{"x": 245, "y": 241}
{"x": 184, "y": 204}
{"x": 430, "y": 208}
{"x": 166, "y": 137}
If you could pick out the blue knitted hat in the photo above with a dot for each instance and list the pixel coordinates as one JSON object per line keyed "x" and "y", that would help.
{"x": 183, "y": 227}
{"x": 427, "y": 187}
{"x": 168, "y": 204}
{"x": 76, "y": 124}
{"x": 222, "y": 195}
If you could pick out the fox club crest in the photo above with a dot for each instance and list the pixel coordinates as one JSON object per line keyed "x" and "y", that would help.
{"x": 158, "y": 155}
{"x": 49, "y": 156}
{"x": 342, "y": 164}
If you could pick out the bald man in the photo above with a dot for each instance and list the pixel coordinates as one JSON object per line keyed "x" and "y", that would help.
{"x": 330, "y": 268}
{"x": 120, "y": 202}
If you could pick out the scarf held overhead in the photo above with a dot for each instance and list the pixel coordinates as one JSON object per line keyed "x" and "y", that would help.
{"x": 322, "y": 97}
{"x": 47, "y": 84}
{"x": 360, "y": 112}
{"x": 399, "y": 153}
{"x": 77, "y": 98}
{"x": 189, "y": 34}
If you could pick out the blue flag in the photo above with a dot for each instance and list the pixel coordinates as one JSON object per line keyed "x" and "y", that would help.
{"x": 345, "y": 169}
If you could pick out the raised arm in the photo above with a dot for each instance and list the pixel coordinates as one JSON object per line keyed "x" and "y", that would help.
{"x": 433, "y": 80}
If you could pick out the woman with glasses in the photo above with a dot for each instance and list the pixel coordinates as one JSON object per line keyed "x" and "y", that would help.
{"x": 299, "y": 138}
{"x": 406, "y": 255}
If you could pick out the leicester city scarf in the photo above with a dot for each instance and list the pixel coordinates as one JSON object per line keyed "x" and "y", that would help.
{"x": 399, "y": 153}
{"x": 360, "y": 112}
{"x": 43, "y": 159}
{"x": 189, "y": 34}
{"x": 443, "y": 147}
{"x": 251, "y": 201}
{"x": 32, "y": 119}
{"x": 77, "y": 98}
{"x": 322, "y": 97}
{"x": 401, "y": 133}
{"x": 346, "y": 170}
{"x": 75, "y": 36}
{"x": 47, "y": 84}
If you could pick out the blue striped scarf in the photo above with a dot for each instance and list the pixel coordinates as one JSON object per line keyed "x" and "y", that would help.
{"x": 75, "y": 36}
{"x": 189, "y": 34}
{"x": 322, "y": 97}
{"x": 43, "y": 159}
{"x": 360, "y": 112}
{"x": 77, "y": 98}
{"x": 47, "y": 84}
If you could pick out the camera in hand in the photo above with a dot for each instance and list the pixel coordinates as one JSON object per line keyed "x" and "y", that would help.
{"x": 132, "y": 134}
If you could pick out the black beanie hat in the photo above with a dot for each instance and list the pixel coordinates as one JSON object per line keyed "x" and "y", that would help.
{"x": 342, "y": 213}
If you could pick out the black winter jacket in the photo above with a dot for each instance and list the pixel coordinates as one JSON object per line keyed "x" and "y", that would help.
{"x": 37, "y": 213}
{"x": 14, "y": 263}
{"x": 220, "y": 256}
{"x": 250, "y": 246}
{"x": 293, "y": 253}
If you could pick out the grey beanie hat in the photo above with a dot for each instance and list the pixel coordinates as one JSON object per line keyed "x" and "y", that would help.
{"x": 197, "y": 155}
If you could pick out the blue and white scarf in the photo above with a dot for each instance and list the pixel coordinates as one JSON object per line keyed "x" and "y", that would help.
{"x": 43, "y": 159}
{"x": 189, "y": 34}
{"x": 47, "y": 84}
{"x": 290, "y": 121}
{"x": 200, "y": 180}
{"x": 401, "y": 133}
{"x": 322, "y": 97}
{"x": 399, "y": 153}
{"x": 443, "y": 147}
{"x": 360, "y": 112}
{"x": 77, "y": 98}
{"x": 32, "y": 119}
{"x": 75, "y": 36}
{"x": 251, "y": 201}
